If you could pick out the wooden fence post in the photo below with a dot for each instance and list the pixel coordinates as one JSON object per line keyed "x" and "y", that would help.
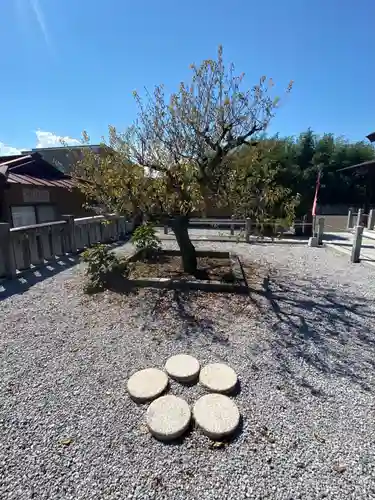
{"x": 248, "y": 230}
{"x": 349, "y": 219}
{"x": 320, "y": 230}
{"x": 371, "y": 219}
{"x": 70, "y": 232}
{"x": 6, "y": 251}
{"x": 122, "y": 222}
{"x": 359, "y": 216}
{"x": 357, "y": 242}
{"x": 314, "y": 228}
{"x": 232, "y": 227}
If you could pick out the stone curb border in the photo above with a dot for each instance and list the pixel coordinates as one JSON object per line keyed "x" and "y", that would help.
{"x": 233, "y": 239}
{"x": 364, "y": 259}
{"x": 205, "y": 285}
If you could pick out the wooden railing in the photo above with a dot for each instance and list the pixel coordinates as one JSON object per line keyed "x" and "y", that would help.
{"x": 359, "y": 218}
{"x": 22, "y": 248}
{"x": 269, "y": 227}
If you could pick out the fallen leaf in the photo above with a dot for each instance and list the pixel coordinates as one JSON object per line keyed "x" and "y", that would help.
{"x": 217, "y": 445}
{"x": 340, "y": 468}
{"x": 321, "y": 439}
{"x": 66, "y": 442}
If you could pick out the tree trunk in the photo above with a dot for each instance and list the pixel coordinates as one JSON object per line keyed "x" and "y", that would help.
{"x": 180, "y": 226}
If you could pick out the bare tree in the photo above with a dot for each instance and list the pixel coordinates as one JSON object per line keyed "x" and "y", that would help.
{"x": 182, "y": 145}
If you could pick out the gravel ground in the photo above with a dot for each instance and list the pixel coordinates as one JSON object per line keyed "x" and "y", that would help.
{"x": 304, "y": 350}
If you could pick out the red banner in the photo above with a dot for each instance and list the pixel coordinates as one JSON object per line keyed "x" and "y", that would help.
{"x": 316, "y": 194}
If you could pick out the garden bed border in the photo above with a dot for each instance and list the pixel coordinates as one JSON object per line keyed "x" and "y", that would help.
{"x": 241, "y": 287}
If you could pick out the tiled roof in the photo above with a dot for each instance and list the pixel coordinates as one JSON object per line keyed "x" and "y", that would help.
{"x": 17, "y": 170}
{"x": 16, "y": 160}
{"x": 65, "y": 183}
{"x": 8, "y": 158}
{"x": 3, "y": 170}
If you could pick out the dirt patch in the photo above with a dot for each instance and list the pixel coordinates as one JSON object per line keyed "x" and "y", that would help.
{"x": 169, "y": 266}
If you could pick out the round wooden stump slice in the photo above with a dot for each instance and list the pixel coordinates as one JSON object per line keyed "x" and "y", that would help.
{"x": 183, "y": 367}
{"x": 147, "y": 384}
{"x": 218, "y": 377}
{"x": 168, "y": 417}
{"x": 216, "y": 415}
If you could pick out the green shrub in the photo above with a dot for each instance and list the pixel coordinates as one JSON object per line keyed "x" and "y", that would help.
{"x": 144, "y": 238}
{"x": 103, "y": 268}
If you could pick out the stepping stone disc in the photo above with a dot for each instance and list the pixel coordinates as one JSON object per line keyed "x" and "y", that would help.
{"x": 217, "y": 415}
{"x": 218, "y": 377}
{"x": 168, "y": 417}
{"x": 147, "y": 384}
{"x": 182, "y": 367}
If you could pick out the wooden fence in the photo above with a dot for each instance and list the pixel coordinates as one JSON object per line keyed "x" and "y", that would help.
{"x": 360, "y": 218}
{"x": 247, "y": 227}
{"x": 22, "y": 248}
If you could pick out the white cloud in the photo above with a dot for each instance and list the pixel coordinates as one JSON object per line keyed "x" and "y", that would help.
{"x": 49, "y": 139}
{"x": 29, "y": 11}
{"x": 6, "y": 150}
{"x": 44, "y": 139}
{"x": 35, "y": 5}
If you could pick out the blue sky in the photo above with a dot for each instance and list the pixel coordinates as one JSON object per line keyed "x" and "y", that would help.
{"x": 72, "y": 65}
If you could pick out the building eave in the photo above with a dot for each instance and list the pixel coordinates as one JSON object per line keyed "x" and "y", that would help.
{"x": 365, "y": 164}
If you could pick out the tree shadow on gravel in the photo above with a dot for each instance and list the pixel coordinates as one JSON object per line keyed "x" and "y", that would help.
{"x": 328, "y": 329}
{"x": 29, "y": 278}
{"x": 183, "y": 312}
